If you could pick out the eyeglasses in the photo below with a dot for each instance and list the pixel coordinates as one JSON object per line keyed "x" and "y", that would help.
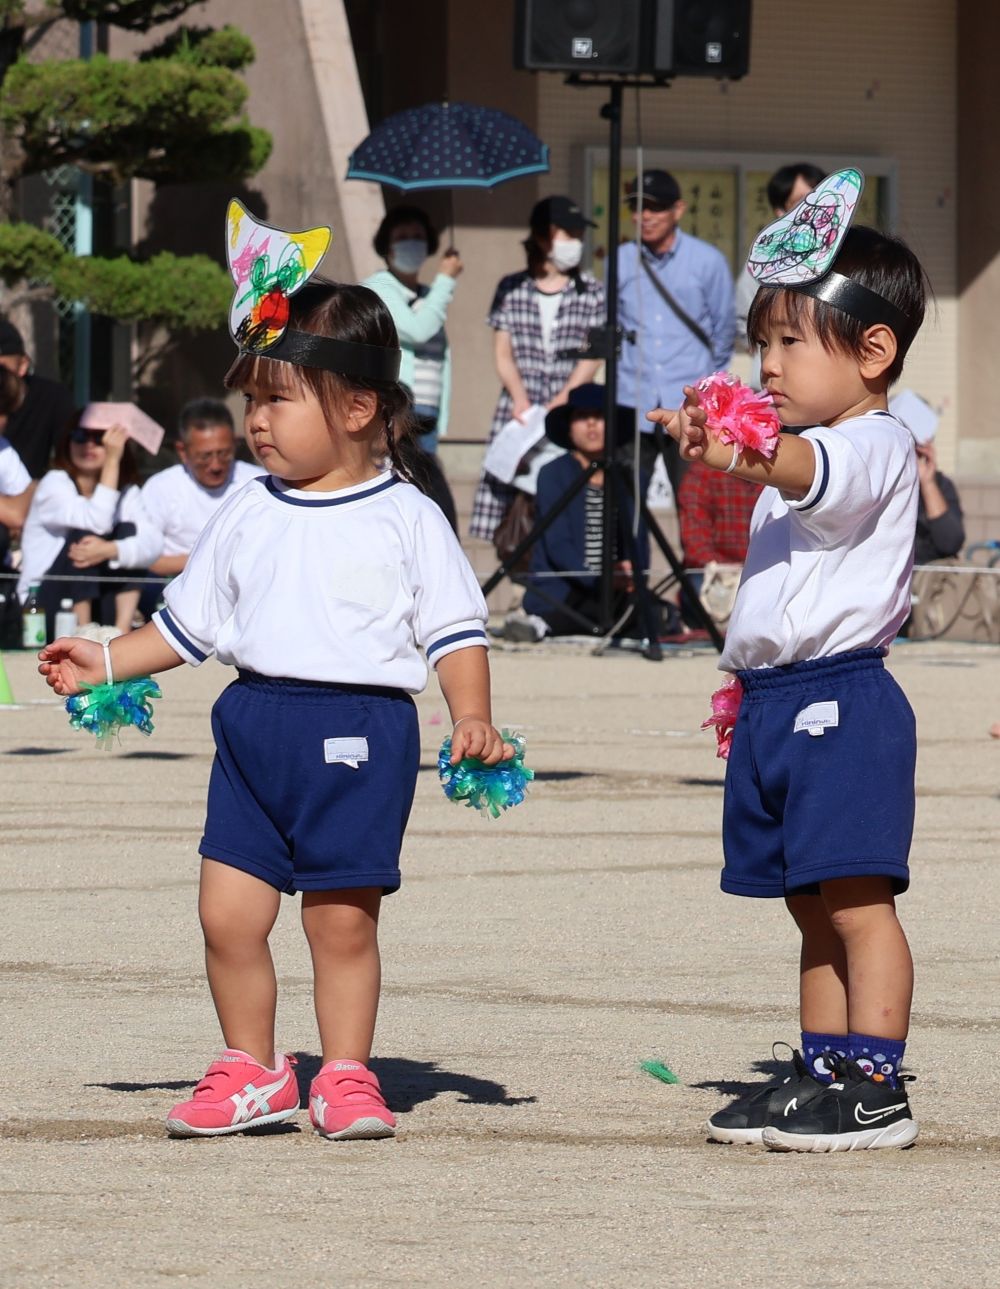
{"x": 222, "y": 455}
{"x": 81, "y": 435}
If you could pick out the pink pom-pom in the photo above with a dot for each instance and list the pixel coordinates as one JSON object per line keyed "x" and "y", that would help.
{"x": 725, "y": 709}
{"x": 739, "y": 414}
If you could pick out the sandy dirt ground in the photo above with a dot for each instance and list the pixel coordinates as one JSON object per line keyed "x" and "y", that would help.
{"x": 531, "y": 964}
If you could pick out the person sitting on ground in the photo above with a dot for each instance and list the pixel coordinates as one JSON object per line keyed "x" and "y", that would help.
{"x": 405, "y": 238}
{"x": 565, "y": 573}
{"x": 183, "y": 498}
{"x": 42, "y": 413}
{"x": 16, "y": 485}
{"x": 940, "y": 528}
{"x": 87, "y": 516}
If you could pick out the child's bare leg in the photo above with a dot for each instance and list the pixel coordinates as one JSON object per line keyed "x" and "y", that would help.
{"x": 862, "y": 912}
{"x": 237, "y": 913}
{"x": 823, "y": 977}
{"x": 342, "y": 929}
{"x": 126, "y": 604}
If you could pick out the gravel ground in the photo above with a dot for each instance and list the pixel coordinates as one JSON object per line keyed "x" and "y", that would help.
{"x": 530, "y": 964}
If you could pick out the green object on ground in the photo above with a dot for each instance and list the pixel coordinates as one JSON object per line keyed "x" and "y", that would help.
{"x": 6, "y": 693}
{"x": 659, "y": 1071}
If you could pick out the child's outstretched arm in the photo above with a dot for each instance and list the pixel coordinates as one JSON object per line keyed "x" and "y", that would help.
{"x": 791, "y": 469}
{"x": 465, "y": 682}
{"x": 70, "y": 662}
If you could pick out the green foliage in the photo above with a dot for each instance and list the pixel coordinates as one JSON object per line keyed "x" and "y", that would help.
{"x": 27, "y": 252}
{"x": 128, "y": 120}
{"x": 205, "y": 47}
{"x": 190, "y": 292}
{"x": 135, "y": 15}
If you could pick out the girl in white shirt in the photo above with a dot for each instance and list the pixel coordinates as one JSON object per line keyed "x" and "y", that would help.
{"x": 321, "y": 582}
{"x": 87, "y": 516}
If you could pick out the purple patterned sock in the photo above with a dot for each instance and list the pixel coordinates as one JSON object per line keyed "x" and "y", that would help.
{"x": 813, "y": 1047}
{"x": 878, "y": 1057}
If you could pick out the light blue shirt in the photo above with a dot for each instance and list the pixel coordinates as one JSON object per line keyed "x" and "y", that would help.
{"x": 666, "y": 356}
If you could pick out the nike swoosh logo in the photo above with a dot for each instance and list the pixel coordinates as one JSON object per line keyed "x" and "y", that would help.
{"x": 872, "y": 1116}
{"x": 792, "y": 1105}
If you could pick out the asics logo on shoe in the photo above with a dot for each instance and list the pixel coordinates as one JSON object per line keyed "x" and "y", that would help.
{"x": 872, "y": 1116}
{"x": 253, "y": 1101}
{"x": 318, "y": 1106}
{"x": 348, "y": 1065}
{"x": 792, "y": 1105}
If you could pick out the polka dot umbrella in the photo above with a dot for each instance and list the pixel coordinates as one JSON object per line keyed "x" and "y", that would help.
{"x": 448, "y": 145}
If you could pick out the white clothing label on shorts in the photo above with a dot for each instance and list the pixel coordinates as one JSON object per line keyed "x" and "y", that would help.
{"x": 817, "y": 717}
{"x": 348, "y": 750}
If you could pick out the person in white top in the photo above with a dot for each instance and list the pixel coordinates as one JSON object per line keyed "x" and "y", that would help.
{"x": 15, "y": 482}
{"x": 86, "y": 521}
{"x": 326, "y": 584}
{"x": 183, "y": 498}
{"x": 820, "y": 782}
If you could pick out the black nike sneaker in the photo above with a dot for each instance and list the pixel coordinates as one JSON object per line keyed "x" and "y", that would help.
{"x": 743, "y": 1122}
{"x": 856, "y": 1112}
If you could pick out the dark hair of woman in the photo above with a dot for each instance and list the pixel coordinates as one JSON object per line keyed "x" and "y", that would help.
{"x": 340, "y": 312}
{"x": 404, "y": 215}
{"x": 128, "y": 471}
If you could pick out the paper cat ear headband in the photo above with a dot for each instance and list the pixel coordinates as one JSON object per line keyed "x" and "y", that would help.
{"x": 268, "y": 266}
{"x": 797, "y": 252}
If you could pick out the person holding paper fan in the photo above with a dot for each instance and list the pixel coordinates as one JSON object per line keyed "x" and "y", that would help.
{"x": 541, "y": 320}
{"x": 87, "y": 520}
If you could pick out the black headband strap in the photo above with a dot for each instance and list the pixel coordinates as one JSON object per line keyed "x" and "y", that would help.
{"x": 345, "y": 357}
{"x": 859, "y": 302}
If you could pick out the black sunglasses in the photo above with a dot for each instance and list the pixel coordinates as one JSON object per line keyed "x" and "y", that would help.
{"x": 80, "y": 435}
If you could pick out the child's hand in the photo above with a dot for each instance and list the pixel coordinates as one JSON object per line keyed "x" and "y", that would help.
{"x": 693, "y": 437}
{"x": 69, "y": 663}
{"x": 477, "y": 738}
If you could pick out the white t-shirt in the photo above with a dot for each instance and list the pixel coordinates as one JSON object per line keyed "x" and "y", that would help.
{"x": 344, "y": 586}
{"x": 831, "y": 572}
{"x": 181, "y": 507}
{"x": 14, "y": 478}
{"x": 57, "y": 507}
{"x": 548, "y": 309}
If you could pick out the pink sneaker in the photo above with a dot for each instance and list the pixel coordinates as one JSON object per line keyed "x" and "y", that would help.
{"x": 236, "y": 1093}
{"x": 346, "y": 1103}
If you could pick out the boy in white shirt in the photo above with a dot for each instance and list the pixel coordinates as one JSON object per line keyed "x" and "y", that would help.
{"x": 820, "y": 782}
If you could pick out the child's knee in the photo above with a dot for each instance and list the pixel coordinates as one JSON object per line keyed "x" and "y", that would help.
{"x": 339, "y": 930}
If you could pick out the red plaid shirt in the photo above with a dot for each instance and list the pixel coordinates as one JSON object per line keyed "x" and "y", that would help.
{"x": 715, "y": 510}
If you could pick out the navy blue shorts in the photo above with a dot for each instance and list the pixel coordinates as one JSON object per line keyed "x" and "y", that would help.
{"x": 820, "y": 779}
{"x": 312, "y": 784}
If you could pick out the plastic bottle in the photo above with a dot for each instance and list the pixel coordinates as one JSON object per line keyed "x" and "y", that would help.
{"x": 33, "y": 619}
{"x": 66, "y": 623}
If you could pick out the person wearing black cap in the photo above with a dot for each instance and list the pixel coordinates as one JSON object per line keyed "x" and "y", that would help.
{"x": 675, "y": 308}
{"x": 541, "y": 318}
{"x": 45, "y": 411}
{"x": 564, "y": 583}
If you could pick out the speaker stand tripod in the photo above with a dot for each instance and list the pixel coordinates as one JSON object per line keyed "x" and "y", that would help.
{"x": 605, "y": 343}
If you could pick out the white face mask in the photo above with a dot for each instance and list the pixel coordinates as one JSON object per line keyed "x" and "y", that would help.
{"x": 408, "y": 254}
{"x": 566, "y": 253}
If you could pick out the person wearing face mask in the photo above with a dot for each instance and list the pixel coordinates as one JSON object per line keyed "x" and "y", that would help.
{"x": 405, "y": 238}
{"x": 541, "y": 319}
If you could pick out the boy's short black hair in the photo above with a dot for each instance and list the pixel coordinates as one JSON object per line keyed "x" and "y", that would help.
{"x": 781, "y": 183}
{"x": 203, "y": 414}
{"x": 885, "y": 265}
{"x": 404, "y": 215}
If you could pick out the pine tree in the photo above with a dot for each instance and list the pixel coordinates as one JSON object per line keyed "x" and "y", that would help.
{"x": 175, "y": 113}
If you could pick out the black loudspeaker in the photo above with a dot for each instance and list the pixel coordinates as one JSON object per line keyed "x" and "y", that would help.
{"x": 634, "y": 37}
{"x": 578, "y": 35}
{"x": 705, "y": 37}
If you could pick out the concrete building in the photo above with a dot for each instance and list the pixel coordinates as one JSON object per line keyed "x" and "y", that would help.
{"x": 907, "y": 89}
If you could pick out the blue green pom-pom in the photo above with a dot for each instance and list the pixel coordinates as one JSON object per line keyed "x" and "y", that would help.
{"x": 489, "y": 788}
{"x": 103, "y": 710}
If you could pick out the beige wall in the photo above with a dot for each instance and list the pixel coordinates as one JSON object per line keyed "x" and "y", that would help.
{"x": 978, "y": 238}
